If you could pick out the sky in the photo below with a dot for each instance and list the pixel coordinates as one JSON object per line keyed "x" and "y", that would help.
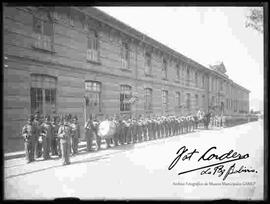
{"x": 207, "y": 35}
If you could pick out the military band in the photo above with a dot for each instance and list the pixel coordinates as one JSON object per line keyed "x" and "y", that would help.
{"x": 60, "y": 135}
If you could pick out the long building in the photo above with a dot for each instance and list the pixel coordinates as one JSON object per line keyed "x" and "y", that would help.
{"x": 80, "y": 60}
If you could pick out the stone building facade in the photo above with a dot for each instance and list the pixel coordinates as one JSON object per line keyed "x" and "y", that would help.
{"x": 82, "y": 61}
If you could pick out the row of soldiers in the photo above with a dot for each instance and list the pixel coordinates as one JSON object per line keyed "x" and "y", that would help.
{"x": 44, "y": 137}
{"x": 133, "y": 130}
{"x": 60, "y": 136}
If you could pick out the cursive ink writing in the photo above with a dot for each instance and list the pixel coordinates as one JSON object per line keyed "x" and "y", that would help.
{"x": 184, "y": 153}
{"x": 181, "y": 152}
{"x": 229, "y": 155}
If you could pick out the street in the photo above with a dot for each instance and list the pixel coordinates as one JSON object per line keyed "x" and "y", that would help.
{"x": 140, "y": 171}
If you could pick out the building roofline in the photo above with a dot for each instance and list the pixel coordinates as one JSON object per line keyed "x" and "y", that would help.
{"x": 111, "y": 21}
{"x": 123, "y": 27}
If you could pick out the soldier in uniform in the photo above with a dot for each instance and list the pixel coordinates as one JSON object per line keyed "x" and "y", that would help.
{"x": 207, "y": 120}
{"x": 28, "y": 136}
{"x": 144, "y": 129}
{"x": 36, "y": 132}
{"x": 158, "y": 127}
{"x": 170, "y": 126}
{"x": 180, "y": 125}
{"x": 166, "y": 127}
{"x": 55, "y": 140}
{"x": 128, "y": 131}
{"x": 162, "y": 131}
{"x": 196, "y": 121}
{"x": 154, "y": 127}
{"x": 108, "y": 140}
{"x": 124, "y": 131}
{"x": 121, "y": 131}
{"x": 116, "y": 137}
{"x": 185, "y": 125}
{"x": 89, "y": 133}
{"x": 75, "y": 135}
{"x": 173, "y": 126}
{"x": 177, "y": 123}
{"x": 64, "y": 135}
{"x": 140, "y": 130}
{"x": 96, "y": 123}
{"x": 149, "y": 128}
{"x": 134, "y": 131}
{"x": 46, "y": 134}
{"x": 197, "y": 118}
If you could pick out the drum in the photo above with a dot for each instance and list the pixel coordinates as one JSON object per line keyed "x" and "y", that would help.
{"x": 106, "y": 129}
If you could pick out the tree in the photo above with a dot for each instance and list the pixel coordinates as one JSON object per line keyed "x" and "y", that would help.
{"x": 255, "y": 19}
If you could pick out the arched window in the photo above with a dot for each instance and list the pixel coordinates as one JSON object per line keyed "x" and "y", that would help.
{"x": 43, "y": 94}
{"x": 43, "y": 30}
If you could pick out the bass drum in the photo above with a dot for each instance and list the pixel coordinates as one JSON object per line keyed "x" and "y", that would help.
{"x": 106, "y": 129}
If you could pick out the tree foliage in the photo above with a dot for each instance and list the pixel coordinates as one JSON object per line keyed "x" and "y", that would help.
{"x": 255, "y": 19}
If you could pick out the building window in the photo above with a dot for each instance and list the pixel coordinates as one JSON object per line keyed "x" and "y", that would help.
{"x": 213, "y": 84}
{"x": 125, "y": 96}
{"x": 203, "y": 101}
{"x": 43, "y": 31}
{"x": 196, "y": 100}
{"x": 177, "y": 72}
{"x": 93, "y": 94}
{"x": 92, "y": 53}
{"x": 196, "y": 79}
{"x": 148, "y": 64}
{"x": 124, "y": 55}
{"x": 213, "y": 101}
{"x": 164, "y": 69}
{"x": 178, "y": 100}
{"x": 165, "y": 100}
{"x": 188, "y": 77}
{"x": 221, "y": 85}
{"x": 148, "y": 99}
{"x": 188, "y": 101}
{"x": 43, "y": 94}
{"x": 203, "y": 81}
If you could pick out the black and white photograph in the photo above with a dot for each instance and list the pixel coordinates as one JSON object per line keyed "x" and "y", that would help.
{"x": 134, "y": 102}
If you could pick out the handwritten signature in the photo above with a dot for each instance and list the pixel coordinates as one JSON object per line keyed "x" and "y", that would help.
{"x": 216, "y": 168}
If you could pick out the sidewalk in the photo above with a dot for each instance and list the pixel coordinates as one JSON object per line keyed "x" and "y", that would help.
{"x": 20, "y": 154}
